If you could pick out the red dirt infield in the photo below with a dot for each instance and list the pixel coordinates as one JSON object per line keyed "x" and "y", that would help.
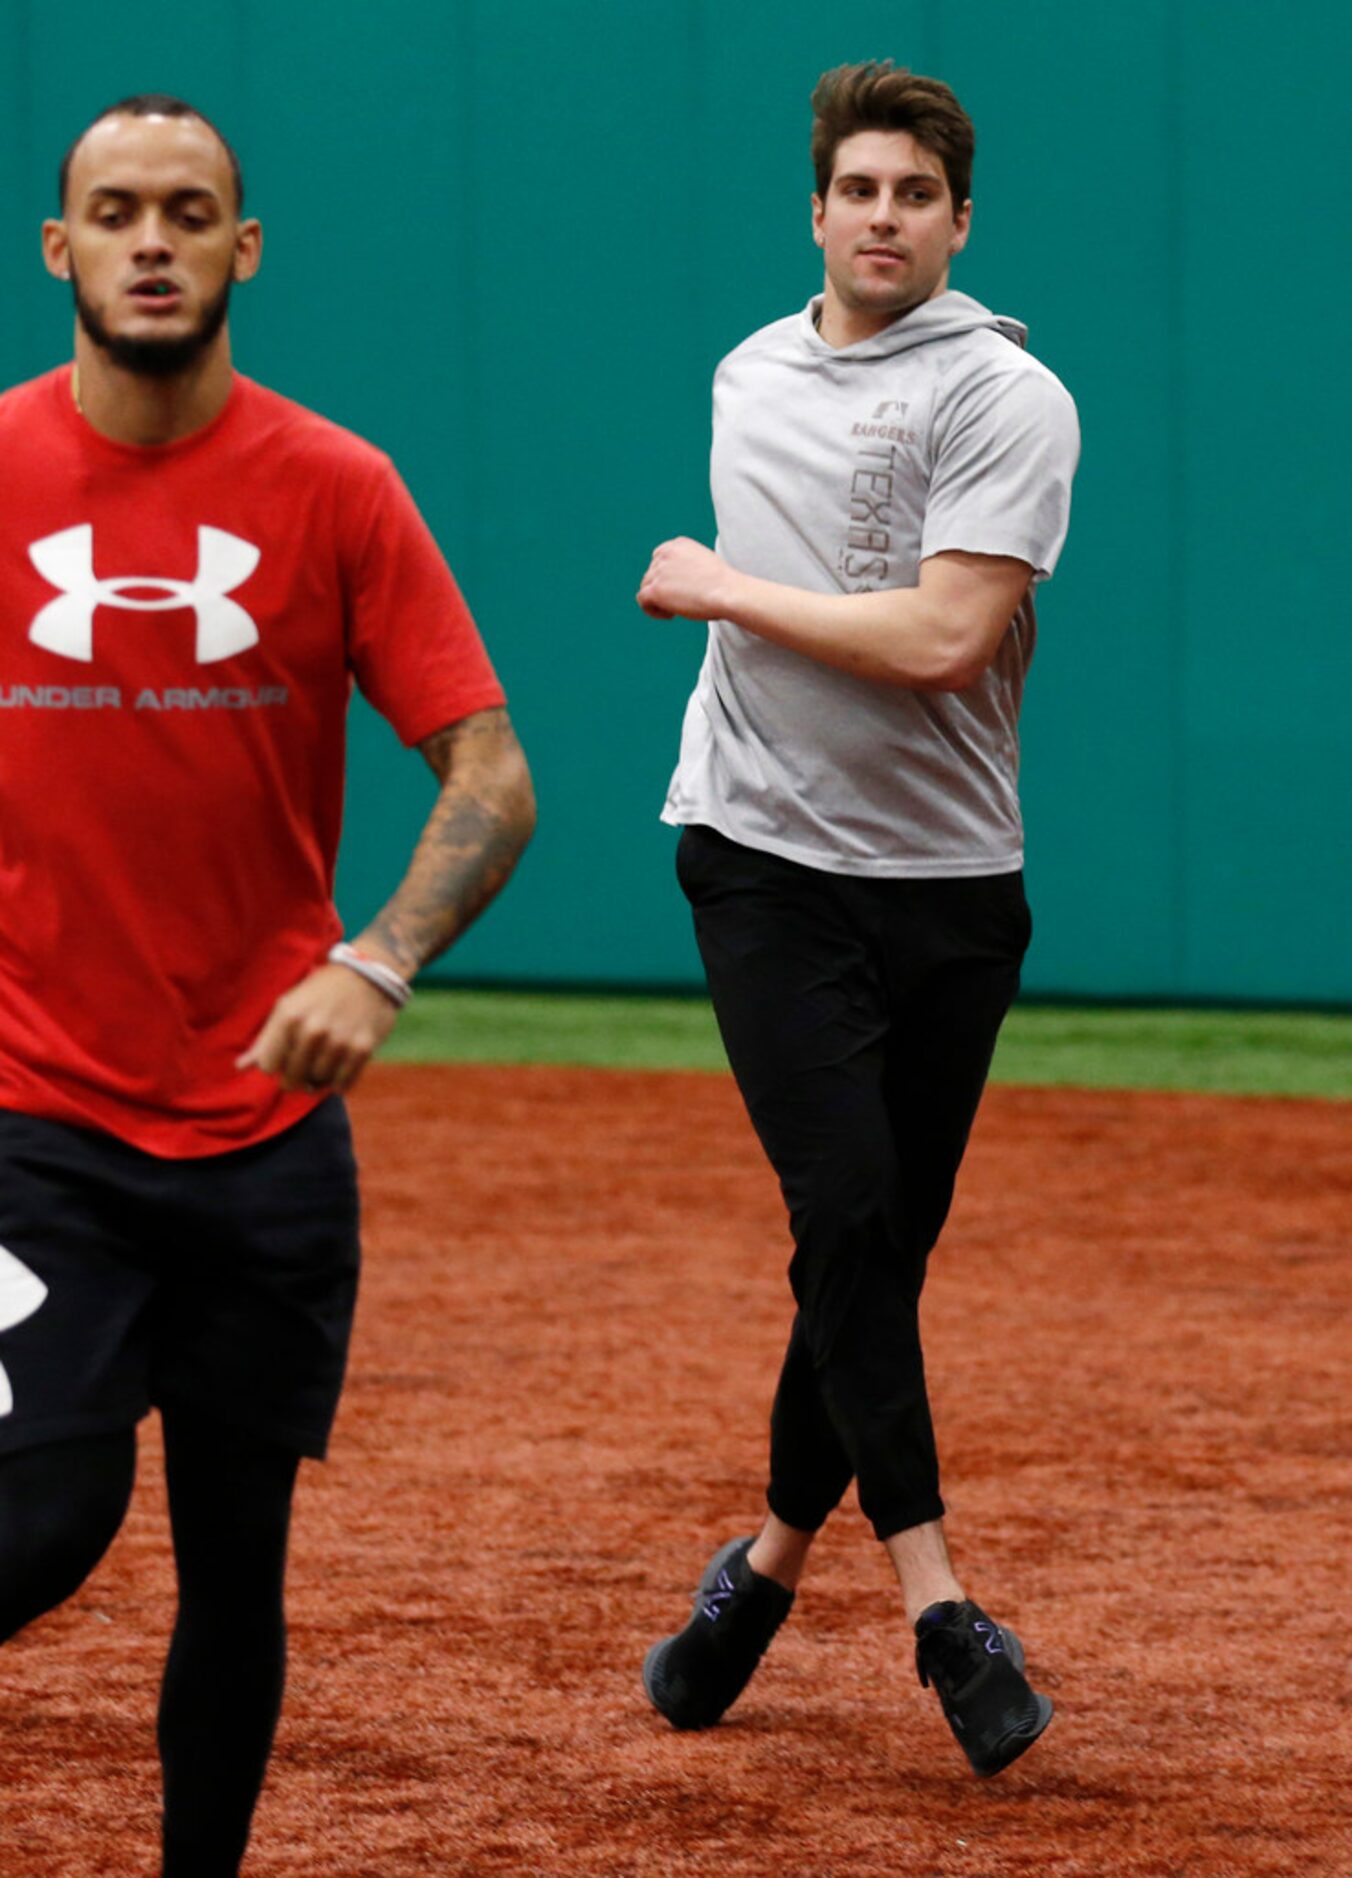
{"x": 574, "y": 1305}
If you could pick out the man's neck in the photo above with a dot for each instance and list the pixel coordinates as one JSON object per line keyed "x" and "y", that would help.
{"x": 843, "y": 325}
{"x": 840, "y": 325}
{"x": 132, "y": 407}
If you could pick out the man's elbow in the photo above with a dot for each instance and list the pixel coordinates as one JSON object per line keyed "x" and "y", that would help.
{"x": 960, "y": 675}
{"x": 516, "y": 796}
{"x": 958, "y": 657}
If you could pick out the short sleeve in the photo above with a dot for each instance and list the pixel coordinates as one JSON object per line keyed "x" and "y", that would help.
{"x": 1006, "y": 447}
{"x": 413, "y": 645}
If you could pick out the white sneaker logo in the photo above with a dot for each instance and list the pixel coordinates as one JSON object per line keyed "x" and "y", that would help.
{"x": 66, "y": 561}
{"x": 21, "y": 1293}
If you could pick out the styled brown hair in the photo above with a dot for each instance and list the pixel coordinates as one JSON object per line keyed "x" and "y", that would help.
{"x": 879, "y": 95}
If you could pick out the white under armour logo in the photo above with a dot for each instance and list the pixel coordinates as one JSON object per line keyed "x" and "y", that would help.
{"x": 21, "y": 1293}
{"x": 66, "y": 626}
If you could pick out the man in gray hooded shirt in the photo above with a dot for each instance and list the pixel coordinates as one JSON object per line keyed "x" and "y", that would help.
{"x": 891, "y": 475}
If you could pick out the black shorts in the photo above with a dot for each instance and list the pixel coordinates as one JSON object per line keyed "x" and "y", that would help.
{"x": 225, "y": 1284}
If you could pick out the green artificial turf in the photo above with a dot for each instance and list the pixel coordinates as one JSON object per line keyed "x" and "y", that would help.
{"x": 1222, "y": 1052}
{"x": 1230, "y": 1052}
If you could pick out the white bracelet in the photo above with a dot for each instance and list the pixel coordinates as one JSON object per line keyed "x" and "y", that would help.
{"x": 384, "y": 977}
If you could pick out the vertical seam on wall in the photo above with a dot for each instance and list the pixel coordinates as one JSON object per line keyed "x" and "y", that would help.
{"x": 1176, "y": 620}
{"x": 25, "y": 153}
{"x": 242, "y": 15}
{"x": 471, "y": 364}
{"x": 931, "y": 39}
{"x": 697, "y": 52}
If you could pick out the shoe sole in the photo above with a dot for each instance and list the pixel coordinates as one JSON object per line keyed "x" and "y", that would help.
{"x": 1015, "y": 1745}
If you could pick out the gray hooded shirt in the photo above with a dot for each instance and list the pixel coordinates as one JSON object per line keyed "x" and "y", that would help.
{"x": 841, "y": 470}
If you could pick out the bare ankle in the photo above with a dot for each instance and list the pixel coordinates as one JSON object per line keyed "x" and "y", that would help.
{"x": 920, "y": 1558}
{"x": 780, "y": 1552}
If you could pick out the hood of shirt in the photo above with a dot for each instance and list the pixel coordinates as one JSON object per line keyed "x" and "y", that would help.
{"x": 944, "y": 317}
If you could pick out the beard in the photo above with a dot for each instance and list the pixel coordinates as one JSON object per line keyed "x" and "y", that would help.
{"x": 153, "y": 358}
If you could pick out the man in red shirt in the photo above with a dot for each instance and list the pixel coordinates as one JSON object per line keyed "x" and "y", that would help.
{"x": 195, "y": 572}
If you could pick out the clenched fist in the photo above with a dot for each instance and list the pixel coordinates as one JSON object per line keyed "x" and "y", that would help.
{"x": 685, "y": 578}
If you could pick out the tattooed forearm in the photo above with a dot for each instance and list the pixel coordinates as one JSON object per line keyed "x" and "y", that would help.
{"x": 482, "y": 820}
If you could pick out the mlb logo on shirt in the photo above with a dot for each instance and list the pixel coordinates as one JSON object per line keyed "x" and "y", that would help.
{"x": 66, "y": 625}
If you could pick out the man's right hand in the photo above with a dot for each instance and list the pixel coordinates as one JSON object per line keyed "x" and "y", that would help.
{"x": 323, "y": 1032}
{"x": 687, "y": 579}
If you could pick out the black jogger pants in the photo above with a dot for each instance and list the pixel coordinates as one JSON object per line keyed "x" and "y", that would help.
{"x": 859, "y": 1016}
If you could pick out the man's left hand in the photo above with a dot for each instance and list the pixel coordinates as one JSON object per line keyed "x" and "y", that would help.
{"x": 323, "y": 1032}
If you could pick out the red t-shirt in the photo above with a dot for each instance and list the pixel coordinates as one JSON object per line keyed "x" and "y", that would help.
{"x": 180, "y": 627}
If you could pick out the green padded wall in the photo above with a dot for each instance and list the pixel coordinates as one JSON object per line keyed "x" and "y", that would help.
{"x": 509, "y": 239}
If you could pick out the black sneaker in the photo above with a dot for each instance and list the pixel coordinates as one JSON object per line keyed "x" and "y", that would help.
{"x": 976, "y": 1668}
{"x": 695, "y": 1676}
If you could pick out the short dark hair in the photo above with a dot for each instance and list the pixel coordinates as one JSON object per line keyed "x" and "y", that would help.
{"x": 153, "y": 104}
{"x": 878, "y": 95}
